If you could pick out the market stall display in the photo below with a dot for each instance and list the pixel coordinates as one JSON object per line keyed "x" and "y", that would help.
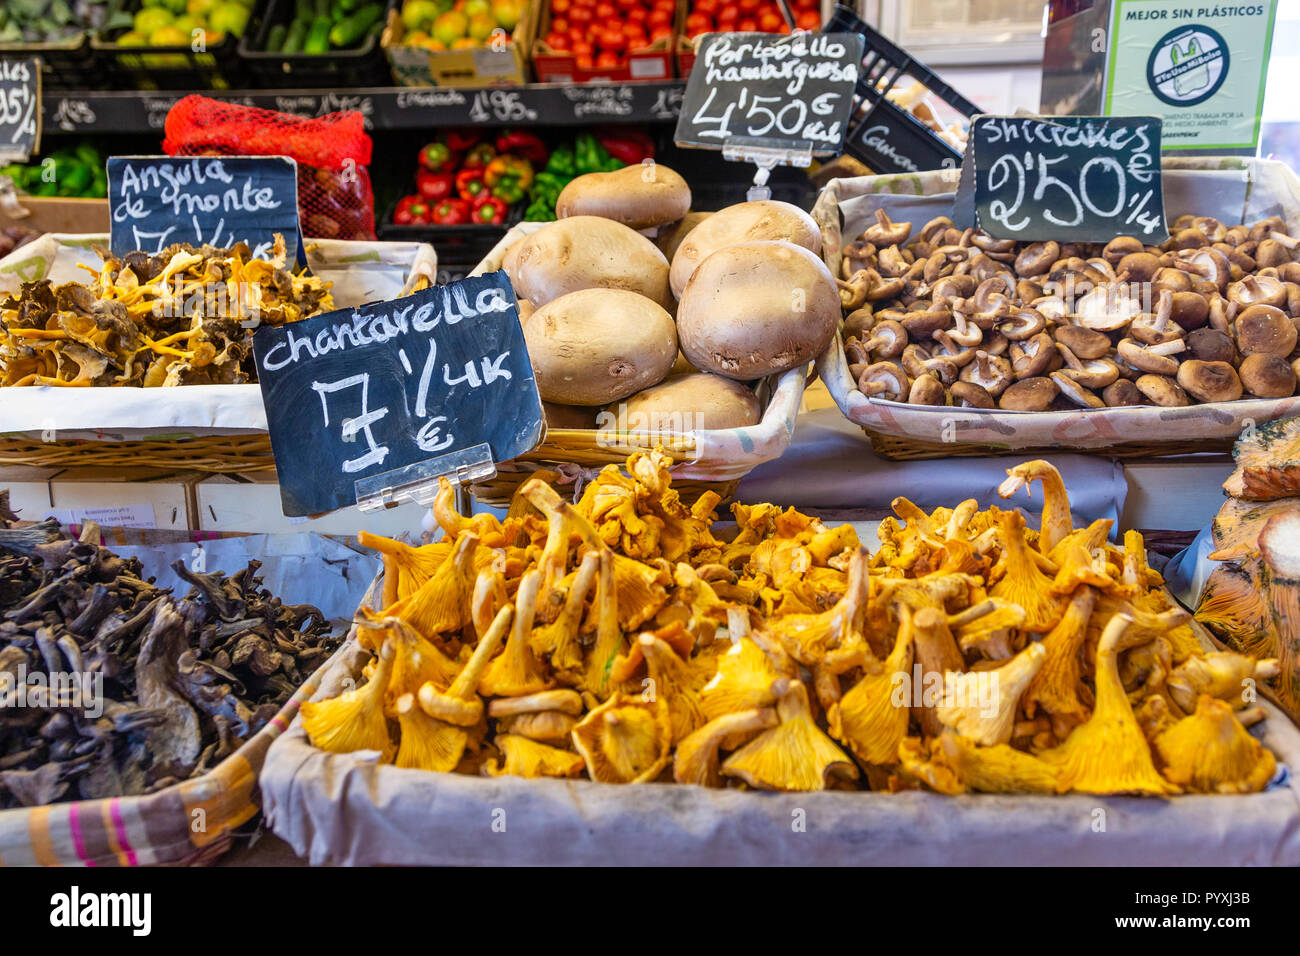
{"x": 136, "y": 719}
{"x": 956, "y": 343}
{"x": 620, "y": 640}
{"x": 811, "y": 620}
{"x": 1250, "y": 600}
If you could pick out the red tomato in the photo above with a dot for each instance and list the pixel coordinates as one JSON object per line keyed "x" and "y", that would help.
{"x": 747, "y": 6}
{"x": 660, "y": 33}
{"x": 706, "y": 6}
{"x": 637, "y": 41}
{"x": 808, "y": 4}
{"x": 697, "y": 22}
{"x": 559, "y": 7}
{"x": 557, "y": 41}
{"x": 747, "y": 25}
{"x": 631, "y": 29}
{"x": 629, "y": 5}
{"x": 611, "y": 41}
{"x": 583, "y": 48}
{"x": 770, "y": 22}
{"x": 808, "y": 20}
{"x": 637, "y": 15}
{"x": 669, "y": 5}
{"x": 605, "y": 12}
{"x": 577, "y": 34}
{"x": 608, "y": 60}
{"x": 579, "y": 15}
{"x": 727, "y": 17}
{"x": 559, "y": 25}
{"x": 583, "y": 61}
{"x": 659, "y": 18}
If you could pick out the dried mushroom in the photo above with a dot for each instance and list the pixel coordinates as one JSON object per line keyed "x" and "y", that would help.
{"x": 126, "y": 688}
{"x": 181, "y": 317}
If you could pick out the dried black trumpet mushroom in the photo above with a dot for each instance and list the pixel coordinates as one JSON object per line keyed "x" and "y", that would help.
{"x": 176, "y": 684}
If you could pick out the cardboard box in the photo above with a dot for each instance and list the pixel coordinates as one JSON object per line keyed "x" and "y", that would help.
{"x": 653, "y": 62}
{"x": 113, "y": 497}
{"x": 251, "y": 502}
{"x": 60, "y": 214}
{"x": 480, "y": 66}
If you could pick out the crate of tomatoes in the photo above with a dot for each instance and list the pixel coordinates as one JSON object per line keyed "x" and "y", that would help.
{"x": 584, "y": 41}
{"x": 740, "y": 16}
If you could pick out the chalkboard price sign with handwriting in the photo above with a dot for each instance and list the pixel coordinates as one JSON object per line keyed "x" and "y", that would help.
{"x": 795, "y": 90}
{"x": 366, "y": 392}
{"x": 155, "y": 201}
{"x": 20, "y": 108}
{"x": 1068, "y": 178}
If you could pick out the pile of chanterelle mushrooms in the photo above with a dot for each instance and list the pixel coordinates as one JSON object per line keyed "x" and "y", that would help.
{"x": 626, "y": 639}
{"x": 944, "y": 316}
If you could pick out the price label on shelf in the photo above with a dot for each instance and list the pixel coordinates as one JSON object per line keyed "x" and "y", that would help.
{"x": 365, "y": 402}
{"x": 20, "y": 108}
{"x": 155, "y": 201}
{"x": 793, "y": 91}
{"x": 1068, "y": 178}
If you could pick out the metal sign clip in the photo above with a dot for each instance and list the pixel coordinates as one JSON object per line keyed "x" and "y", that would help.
{"x": 419, "y": 482}
{"x": 766, "y": 154}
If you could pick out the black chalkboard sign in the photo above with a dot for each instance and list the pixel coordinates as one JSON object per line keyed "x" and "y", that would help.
{"x": 888, "y": 140}
{"x": 361, "y": 393}
{"x": 790, "y": 91}
{"x": 20, "y": 108}
{"x": 1068, "y": 178}
{"x": 155, "y": 201}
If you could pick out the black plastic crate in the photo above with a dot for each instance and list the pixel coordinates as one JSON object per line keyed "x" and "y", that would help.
{"x": 367, "y": 65}
{"x": 884, "y": 137}
{"x": 168, "y": 67}
{"x": 459, "y": 248}
{"x": 65, "y": 64}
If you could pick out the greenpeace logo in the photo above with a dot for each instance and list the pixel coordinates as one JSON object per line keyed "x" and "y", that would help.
{"x": 77, "y": 909}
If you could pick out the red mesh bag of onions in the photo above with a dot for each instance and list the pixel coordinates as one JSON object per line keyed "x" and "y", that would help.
{"x": 334, "y": 196}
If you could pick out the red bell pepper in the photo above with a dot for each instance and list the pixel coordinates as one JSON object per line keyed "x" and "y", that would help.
{"x": 489, "y": 210}
{"x": 629, "y": 146}
{"x": 459, "y": 140}
{"x": 434, "y": 186}
{"x": 438, "y": 158}
{"x": 411, "y": 211}
{"x": 522, "y": 143}
{"x": 470, "y": 183}
{"x": 451, "y": 212}
{"x": 478, "y": 157}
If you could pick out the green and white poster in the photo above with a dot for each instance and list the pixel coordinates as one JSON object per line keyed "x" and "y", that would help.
{"x": 1201, "y": 66}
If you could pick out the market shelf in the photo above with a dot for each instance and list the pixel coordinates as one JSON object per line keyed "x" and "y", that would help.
{"x": 395, "y": 108}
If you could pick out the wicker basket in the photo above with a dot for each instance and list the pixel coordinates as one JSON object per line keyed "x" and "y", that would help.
{"x": 215, "y": 453}
{"x": 216, "y": 428}
{"x": 910, "y": 449}
{"x": 574, "y": 456}
{"x": 1236, "y": 190}
{"x": 706, "y": 459}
